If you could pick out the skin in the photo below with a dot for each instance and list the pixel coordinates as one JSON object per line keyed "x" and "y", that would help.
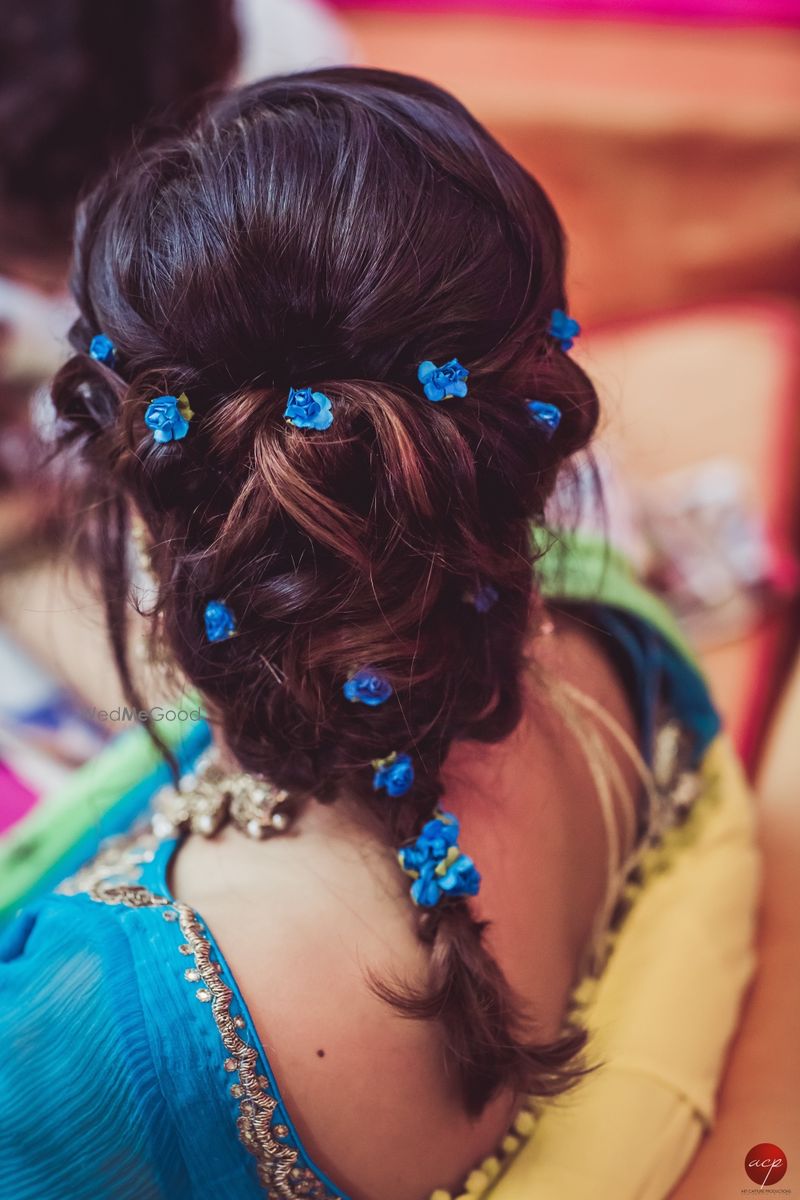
{"x": 302, "y": 918}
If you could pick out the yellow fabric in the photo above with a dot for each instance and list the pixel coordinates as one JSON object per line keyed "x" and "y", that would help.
{"x": 661, "y": 1015}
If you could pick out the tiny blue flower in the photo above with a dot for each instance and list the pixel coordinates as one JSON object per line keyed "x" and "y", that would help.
{"x": 431, "y": 847}
{"x": 219, "y": 620}
{"x": 308, "y": 410}
{"x": 425, "y": 890}
{"x": 485, "y": 598}
{"x": 546, "y": 416}
{"x": 438, "y": 836}
{"x": 436, "y": 864}
{"x": 442, "y": 383}
{"x": 461, "y": 878}
{"x": 563, "y": 328}
{"x": 102, "y": 349}
{"x": 169, "y": 417}
{"x": 367, "y": 687}
{"x": 395, "y": 774}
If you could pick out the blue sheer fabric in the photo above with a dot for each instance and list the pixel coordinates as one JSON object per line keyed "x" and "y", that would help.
{"x": 130, "y": 1061}
{"x": 130, "y": 1067}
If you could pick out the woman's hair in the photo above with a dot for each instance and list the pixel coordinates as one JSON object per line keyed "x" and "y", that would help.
{"x": 334, "y": 229}
{"x": 78, "y": 78}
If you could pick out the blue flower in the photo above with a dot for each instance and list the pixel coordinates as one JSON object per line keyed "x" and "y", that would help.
{"x": 436, "y": 864}
{"x": 485, "y": 598}
{"x": 367, "y": 687}
{"x": 545, "y": 415}
{"x": 395, "y": 774}
{"x": 219, "y": 620}
{"x": 103, "y": 349}
{"x": 436, "y": 840}
{"x": 442, "y": 383}
{"x": 308, "y": 410}
{"x": 460, "y": 878}
{"x": 169, "y": 417}
{"x": 563, "y": 328}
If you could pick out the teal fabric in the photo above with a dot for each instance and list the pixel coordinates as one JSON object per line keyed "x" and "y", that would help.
{"x": 657, "y": 676}
{"x": 82, "y": 1110}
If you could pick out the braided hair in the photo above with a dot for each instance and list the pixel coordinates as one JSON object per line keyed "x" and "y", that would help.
{"x": 334, "y": 229}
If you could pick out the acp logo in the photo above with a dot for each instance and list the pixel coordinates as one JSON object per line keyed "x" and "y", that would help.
{"x": 765, "y": 1164}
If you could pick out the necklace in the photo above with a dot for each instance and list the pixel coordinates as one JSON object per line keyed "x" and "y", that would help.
{"x": 209, "y": 796}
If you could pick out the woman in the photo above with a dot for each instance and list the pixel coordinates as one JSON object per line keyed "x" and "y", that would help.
{"x": 323, "y": 360}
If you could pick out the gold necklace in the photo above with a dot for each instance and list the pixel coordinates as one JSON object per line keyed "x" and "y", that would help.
{"x": 209, "y": 796}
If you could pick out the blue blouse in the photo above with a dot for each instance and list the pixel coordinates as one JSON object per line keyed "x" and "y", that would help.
{"x": 131, "y": 1069}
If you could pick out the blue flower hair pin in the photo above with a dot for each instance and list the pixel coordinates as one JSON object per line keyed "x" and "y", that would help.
{"x": 219, "y": 621}
{"x": 436, "y": 864}
{"x": 103, "y": 350}
{"x": 483, "y": 598}
{"x": 443, "y": 383}
{"x": 367, "y": 687}
{"x": 394, "y": 774}
{"x": 563, "y": 328}
{"x": 169, "y": 417}
{"x": 308, "y": 409}
{"x": 546, "y": 416}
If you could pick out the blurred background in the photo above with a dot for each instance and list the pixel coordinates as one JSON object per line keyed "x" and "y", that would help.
{"x": 666, "y": 132}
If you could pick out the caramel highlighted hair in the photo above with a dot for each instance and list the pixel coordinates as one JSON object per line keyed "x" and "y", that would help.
{"x": 334, "y": 229}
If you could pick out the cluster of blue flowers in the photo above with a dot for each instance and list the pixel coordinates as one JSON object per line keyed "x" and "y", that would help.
{"x": 437, "y": 865}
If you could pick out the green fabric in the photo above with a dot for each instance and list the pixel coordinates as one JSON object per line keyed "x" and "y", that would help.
{"x": 583, "y": 569}
{"x": 87, "y": 808}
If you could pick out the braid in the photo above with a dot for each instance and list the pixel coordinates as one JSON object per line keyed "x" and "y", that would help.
{"x": 487, "y": 1042}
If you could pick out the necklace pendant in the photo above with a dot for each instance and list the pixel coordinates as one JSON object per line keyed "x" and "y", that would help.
{"x": 209, "y": 796}
{"x": 257, "y": 808}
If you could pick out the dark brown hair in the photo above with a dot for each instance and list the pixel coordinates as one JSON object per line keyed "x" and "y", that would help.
{"x": 79, "y": 77}
{"x": 335, "y": 229}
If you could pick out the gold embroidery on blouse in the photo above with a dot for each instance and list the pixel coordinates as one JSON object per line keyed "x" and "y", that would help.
{"x": 113, "y": 878}
{"x": 277, "y": 1166}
